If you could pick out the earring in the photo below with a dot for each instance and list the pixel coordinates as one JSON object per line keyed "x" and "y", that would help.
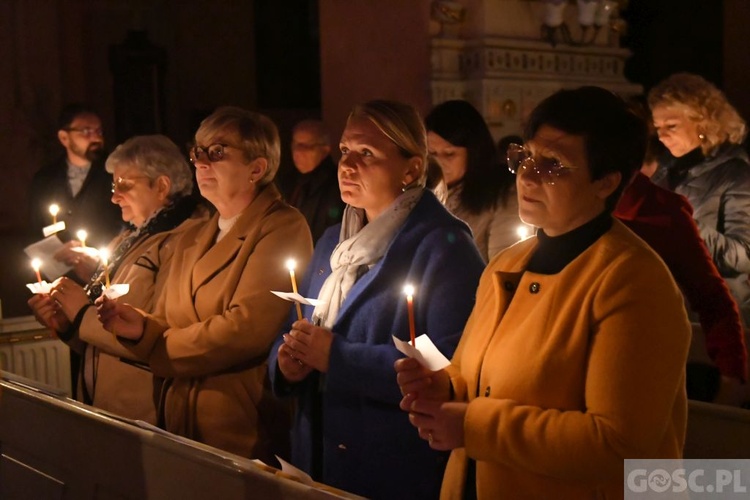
{"x": 403, "y": 187}
{"x": 701, "y": 137}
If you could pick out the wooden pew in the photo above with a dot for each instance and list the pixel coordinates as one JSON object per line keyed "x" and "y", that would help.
{"x": 52, "y": 447}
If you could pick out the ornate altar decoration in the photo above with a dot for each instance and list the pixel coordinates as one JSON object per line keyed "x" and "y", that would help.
{"x": 504, "y": 56}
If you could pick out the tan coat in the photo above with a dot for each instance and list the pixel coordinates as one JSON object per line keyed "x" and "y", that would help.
{"x": 494, "y": 229}
{"x": 119, "y": 387}
{"x": 213, "y": 331}
{"x": 582, "y": 369}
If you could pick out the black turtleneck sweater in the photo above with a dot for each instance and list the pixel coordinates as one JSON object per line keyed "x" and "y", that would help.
{"x": 554, "y": 253}
{"x": 679, "y": 168}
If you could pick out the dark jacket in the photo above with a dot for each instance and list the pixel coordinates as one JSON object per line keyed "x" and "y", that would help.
{"x": 91, "y": 209}
{"x": 718, "y": 188}
{"x": 367, "y": 445}
{"x": 316, "y": 194}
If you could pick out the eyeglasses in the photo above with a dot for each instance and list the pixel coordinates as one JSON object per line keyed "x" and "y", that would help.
{"x": 87, "y": 131}
{"x": 123, "y": 184}
{"x": 214, "y": 152}
{"x": 548, "y": 169}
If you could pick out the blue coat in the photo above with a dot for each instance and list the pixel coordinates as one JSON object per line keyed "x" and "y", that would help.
{"x": 363, "y": 442}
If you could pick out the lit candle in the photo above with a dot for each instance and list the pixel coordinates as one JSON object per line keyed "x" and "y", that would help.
{"x": 104, "y": 255}
{"x": 409, "y": 291}
{"x": 54, "y": 209}
{"x": 36, "y": 264}
{"x": 523, "y": 232}
{"x": 291, "y": 264}
{"x": 82, "y": 235}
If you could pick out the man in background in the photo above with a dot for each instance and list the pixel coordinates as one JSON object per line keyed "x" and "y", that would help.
{"x": 77, "y": 182}
{"x": 313, "y": 188}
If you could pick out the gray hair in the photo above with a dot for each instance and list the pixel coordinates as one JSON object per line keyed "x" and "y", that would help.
{"x": 316, "y": 127}
{"x": 154, "y": 155}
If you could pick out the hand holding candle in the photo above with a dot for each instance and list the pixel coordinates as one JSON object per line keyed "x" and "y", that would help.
{"x": 409, "y": 291}
{"x": 54, "y": 209}
{"x": 36, "y": 264}
{"x": 104, "y": 256}
{"x": 82, "y": 235}
{"x": 291, "y": 264}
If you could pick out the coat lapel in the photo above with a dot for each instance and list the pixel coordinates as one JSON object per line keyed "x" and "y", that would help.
{"x": 209, "y": 259}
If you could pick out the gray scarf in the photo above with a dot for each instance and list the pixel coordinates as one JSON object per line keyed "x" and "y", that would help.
{"x": 360, "y": 245}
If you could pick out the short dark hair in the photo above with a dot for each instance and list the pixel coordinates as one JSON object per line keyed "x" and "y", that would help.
{"x": 614, "y": 137}
{"x": 71, "y": 111}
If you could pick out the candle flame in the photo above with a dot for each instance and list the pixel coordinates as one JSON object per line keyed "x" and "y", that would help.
{"x": 522, "y": 231}
{"x": 291, "y": 264}
{"x": 82, "y": 235}
{"x": 54, "y": 209}
{"x": 36, "y": 264}
{"x": 409, "y": 290}
{"x": 104, "y": 255}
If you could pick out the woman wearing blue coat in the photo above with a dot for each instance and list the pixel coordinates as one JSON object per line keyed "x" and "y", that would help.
{"x": 348, "y": 430}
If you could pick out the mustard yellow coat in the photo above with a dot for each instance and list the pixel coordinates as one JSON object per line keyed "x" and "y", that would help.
{"x": 581, "y": 370}
{"x": 211, "y": 333}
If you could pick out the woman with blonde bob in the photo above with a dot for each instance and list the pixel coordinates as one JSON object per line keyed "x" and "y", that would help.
{"x": 211, "y": 333}
{"x": 708, "y": 165}
{"x": 348, "y": 431}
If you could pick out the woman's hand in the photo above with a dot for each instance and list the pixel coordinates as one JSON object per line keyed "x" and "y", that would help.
{"x": 47, "y": 312}
{"x": 440, "y": 424}
{"x": 290, "y": 366}
{"x": 415, "y": 379}
{"x": 69, "y": 296}
{"x": 122, "y": 320}
{"x": 310, "y": 344}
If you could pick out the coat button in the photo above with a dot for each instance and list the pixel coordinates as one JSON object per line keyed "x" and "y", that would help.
{"x": 321, "y": 271}
{"x": 509, "y": 286}
{"x": 534, "y": 287}
{"x": 487, "y": 392}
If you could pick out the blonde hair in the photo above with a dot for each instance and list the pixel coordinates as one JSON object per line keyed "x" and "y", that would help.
{"x": 252, "y": 132}
{"x": 401, "y": 124}
{"x": 717, "y": 120}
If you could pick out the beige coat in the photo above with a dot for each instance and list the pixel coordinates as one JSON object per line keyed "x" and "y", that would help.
{"x": 116, "y": 386}
{"x": 494, "y": 229}
{"x": 213, "y": 330}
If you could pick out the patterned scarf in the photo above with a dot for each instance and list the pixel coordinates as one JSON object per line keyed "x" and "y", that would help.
{"x": 361, "y": 246}
{"x": 164, "y": 219}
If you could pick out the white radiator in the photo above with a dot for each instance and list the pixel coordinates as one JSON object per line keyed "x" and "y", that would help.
{"x": 29, "y": 350}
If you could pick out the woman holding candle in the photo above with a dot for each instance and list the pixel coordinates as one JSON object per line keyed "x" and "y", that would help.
{"x": 574, "y": 356}
{"x": 348, "y": 430}
{"x": 152, "y": 187}
{"x": 210, "y": 335}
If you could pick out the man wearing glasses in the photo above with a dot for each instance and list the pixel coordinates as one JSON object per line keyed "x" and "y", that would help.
{"x": 313, "y": 187}
{"x": 76, "y": 182}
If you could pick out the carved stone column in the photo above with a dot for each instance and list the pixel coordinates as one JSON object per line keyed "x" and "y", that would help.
{"x": 504, "y": 61}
